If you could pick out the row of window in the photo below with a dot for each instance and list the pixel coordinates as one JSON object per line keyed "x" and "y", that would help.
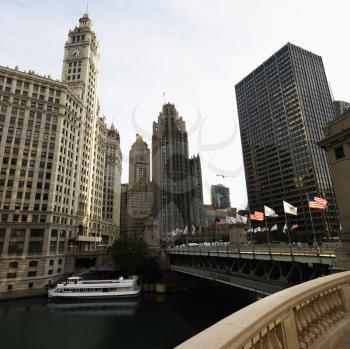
{"x": 31, "y": 273}
{"x": 33, "y": 264}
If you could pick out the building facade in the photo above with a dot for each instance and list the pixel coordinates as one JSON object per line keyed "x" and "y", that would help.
{"x": 220, "y": 196}
{"x": 171, "y": 175}
{"x": 112, "y": 187}
{"x": 283, "y": 106}
{"x": 336, "y": 142}
{"x": 138, "y": 194}
{"x": 52, "y": 157}
{"x": 340, "y": 107}
{"x": 196, "y": 191}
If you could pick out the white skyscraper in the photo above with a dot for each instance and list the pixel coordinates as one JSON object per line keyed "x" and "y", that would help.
{"x": 60, "y": 169}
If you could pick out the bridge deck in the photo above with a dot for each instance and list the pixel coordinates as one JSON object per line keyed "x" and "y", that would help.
{"x": 313, "y": 255}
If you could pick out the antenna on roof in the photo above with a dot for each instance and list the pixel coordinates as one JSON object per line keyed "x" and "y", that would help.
{"x": 87, "y": 7}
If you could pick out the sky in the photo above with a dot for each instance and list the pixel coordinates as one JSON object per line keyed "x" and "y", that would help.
{"x": 193, "y": 50}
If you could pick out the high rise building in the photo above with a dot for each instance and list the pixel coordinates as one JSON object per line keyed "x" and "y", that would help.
{"x": 171, "y": 172}
{"x": 139, "y": 163}
{"x": 196, "y": 190}
{"x": 55, "y": 155}
{"x": 283, "y": 106}
{"x": 220, "y": 196}
{"x": 138, "y": 199}
{"x": 112, "y": 186}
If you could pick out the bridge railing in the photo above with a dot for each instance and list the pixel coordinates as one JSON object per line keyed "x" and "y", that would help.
{"x": 304, "y": 316}
{"x": 327, "y": 250}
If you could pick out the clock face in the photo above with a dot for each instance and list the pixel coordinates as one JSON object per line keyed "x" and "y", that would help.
{"x": 76, "y": 52}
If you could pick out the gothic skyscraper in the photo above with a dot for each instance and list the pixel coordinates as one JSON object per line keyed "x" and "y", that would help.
{"x": 171, "y": 172}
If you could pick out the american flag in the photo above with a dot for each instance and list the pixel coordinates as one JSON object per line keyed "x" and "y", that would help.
{"x": 257, "y": 216}
{"x": 316, "y": 202}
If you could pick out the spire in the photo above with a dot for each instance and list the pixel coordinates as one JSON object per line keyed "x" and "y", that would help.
{"x": 85, "y": 20}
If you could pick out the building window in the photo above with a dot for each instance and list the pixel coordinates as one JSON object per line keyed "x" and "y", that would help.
{"x": 15, "y": 248}
{"x": 13, "y": 265}
{"x": 31, "y": 273}
{"x": 11, "y": 275}
{"x": 33, "y": 264}
{"x": 9, "y": 287}
{"x": 35, "y": 247}
{"x": 30, "y": 285}
{"x": 339, "y": 153}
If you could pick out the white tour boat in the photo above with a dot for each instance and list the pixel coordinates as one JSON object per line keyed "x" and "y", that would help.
{"x": 77, "y": 288}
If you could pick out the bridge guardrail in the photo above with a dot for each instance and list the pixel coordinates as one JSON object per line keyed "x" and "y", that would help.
{"x": 307, "y": 315}
{"x": 261, "y": 249}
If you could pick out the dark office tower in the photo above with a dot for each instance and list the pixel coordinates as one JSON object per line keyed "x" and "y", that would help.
{"x": 340, "y": 107}
{"x": 220, "y": 196}
{"x": 196, "y": 194}
{"x": 170, "y": 171}
{"x": 283, "y": 105}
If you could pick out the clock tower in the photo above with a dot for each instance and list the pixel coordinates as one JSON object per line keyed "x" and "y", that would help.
{"x": 80, "y": 73}
{"x": 80, "y": 63}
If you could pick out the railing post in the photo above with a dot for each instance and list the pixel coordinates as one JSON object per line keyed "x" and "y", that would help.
{"x": 290, "y": 334}
{"x": 345, "y": 291}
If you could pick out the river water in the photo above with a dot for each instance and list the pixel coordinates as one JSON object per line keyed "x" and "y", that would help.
{"x": 152, "y": 321}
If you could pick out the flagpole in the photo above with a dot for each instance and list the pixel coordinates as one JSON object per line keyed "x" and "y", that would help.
{"x": 312, "y": 222}
{"x": 267, "y": 231}
{"x": 251, "y": 233}
{"x": 290, "y": 243}
{"x": 323, "y": 214}
{"x": 325, "y": 224}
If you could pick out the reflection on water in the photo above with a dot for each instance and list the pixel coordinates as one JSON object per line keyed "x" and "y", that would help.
{"x": 115, "y": 308}
{"x": 151, "y": 321}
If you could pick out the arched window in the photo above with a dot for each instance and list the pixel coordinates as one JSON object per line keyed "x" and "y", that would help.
{"x": 13, "y": 264}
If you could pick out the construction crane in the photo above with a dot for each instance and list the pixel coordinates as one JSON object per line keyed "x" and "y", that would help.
{"x": 224, "y": 176}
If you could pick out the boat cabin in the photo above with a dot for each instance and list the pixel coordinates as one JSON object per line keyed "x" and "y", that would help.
{"x": 74, "y": 279}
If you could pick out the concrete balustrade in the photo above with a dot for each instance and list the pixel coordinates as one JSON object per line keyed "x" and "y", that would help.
{"x": 314, "y": 314}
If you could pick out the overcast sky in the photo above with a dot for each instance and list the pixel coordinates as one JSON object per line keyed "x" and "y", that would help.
{"x": 193, "y": 50}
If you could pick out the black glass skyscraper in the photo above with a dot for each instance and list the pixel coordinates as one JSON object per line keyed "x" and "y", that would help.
{"x": 283, "y": 106}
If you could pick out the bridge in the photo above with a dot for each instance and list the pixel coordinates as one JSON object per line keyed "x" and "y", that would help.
{"x": 265, "y": 269}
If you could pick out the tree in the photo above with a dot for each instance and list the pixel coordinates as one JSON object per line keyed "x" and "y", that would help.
{"x": 133, "y": 257}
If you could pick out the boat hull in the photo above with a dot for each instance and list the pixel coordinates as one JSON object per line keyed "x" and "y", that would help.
{"x": 99, "y": 295}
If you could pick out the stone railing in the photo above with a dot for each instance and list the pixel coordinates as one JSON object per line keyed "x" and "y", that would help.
{"x": 313, "y": 315}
